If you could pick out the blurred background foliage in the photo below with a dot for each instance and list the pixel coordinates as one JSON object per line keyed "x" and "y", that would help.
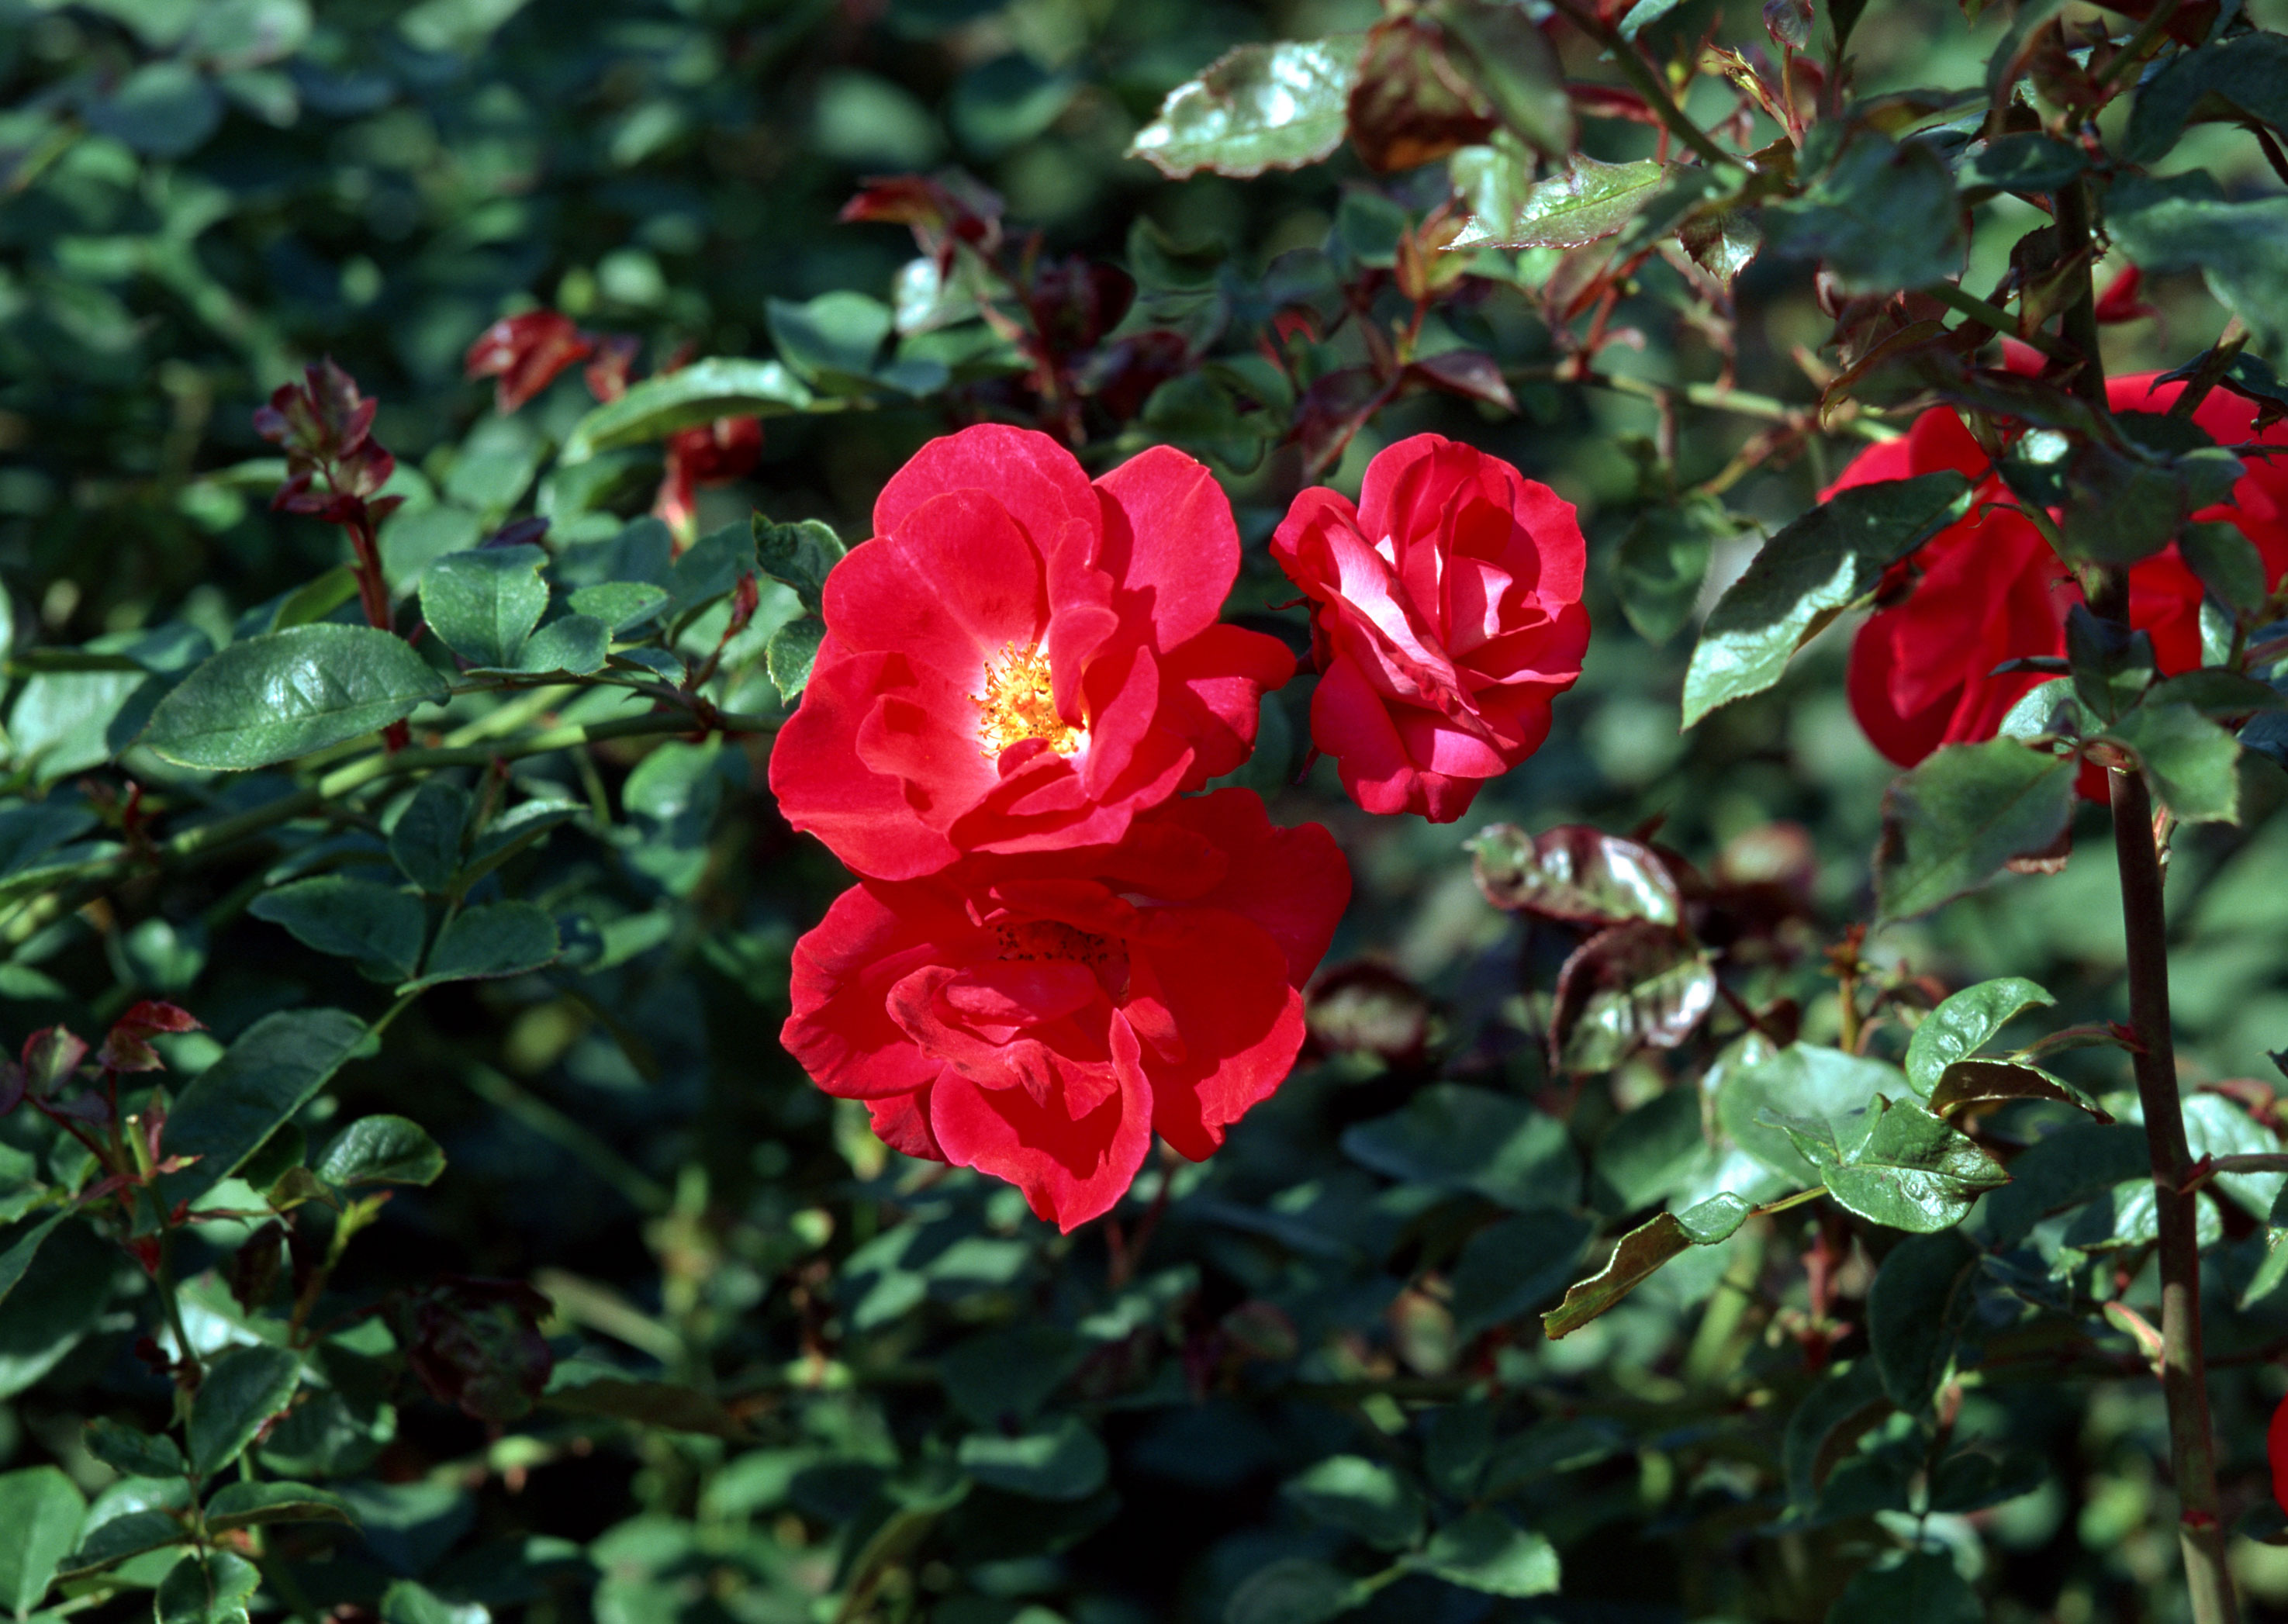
{"x": 198, "y": 196}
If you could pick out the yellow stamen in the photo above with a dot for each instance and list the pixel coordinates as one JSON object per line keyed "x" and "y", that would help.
{"x": 1019, "y": 703}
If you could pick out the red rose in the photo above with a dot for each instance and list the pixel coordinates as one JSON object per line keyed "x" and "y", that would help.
{"x": 1041, "y": 1018}
{"x": 1021, "y": 661}
{"x": 2275, "y": 1446}
{"x": 1448, "y": 616}
{"x": 1989, "y": 588}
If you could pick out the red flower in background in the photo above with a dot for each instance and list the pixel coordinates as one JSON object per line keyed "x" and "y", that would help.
{"x": 1987, "y": 588}
{"x": 2275, "y": 1446}
{"x": 1021, "y": 661}
{"x": 708, "y": 454}
{"x": 1448, "y": 615}
{"x": 1040, "y": 1018}
{"x": 525, "y": 352}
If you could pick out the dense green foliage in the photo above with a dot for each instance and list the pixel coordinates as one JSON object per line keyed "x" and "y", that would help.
{"x": 482, "y": 1163}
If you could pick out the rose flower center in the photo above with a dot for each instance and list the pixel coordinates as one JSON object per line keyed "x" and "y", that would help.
{"x": 1026, "y": 941}
{"x": 1019, "y": 703}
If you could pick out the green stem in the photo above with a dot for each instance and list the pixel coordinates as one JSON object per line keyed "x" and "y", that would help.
{"x": 1649, "y": 84}
{"x": 1740, "y": 400}
{"x": 162, "y": 1280}
{"x": 2001, "y": 320}
{"x": 2079, "y": 325}
{"x": 2134, "y": 53}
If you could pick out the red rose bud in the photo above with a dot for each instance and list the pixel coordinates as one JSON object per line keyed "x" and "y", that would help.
{"x": 1987, "y": 588}
{"x": 526, "y": 354}
{"x": 1021, "y": 661}
{"x": 1447, "y": 615}
{"x": 1041, "y": 1018}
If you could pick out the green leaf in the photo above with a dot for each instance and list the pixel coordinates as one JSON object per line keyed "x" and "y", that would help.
{"x": 700, "y": 392}
{"x": 271, "y": 698}
{"x": 132, "y": 1453}
{"x": 378, "y": 925}
{"x": 1976, "y": 1082}
{"x": 1917, "y": 1587}
{"x": 1951, "y": 824}
{"x": 2027, "y": 162}
{"x": 426, "y": 840}
{"x": 1361, "y": 1497}
{"x": 1462, "y": 1137}
{"x": 119, "y": 1538}
{"x": 1003, "y": 1377}
{"x": 2227, "y": 563}
{"x": 484, "y": 604}
{"x": 500, "y": 938}
{"x": 581, "y": 1388}
{"x": 1651, "y": 1153}
{"x": 1485, "y": 1551}
{"x": 1827, "y": 561}
{"x": 264, "y": 1078}
{"x": 1966, "y": 1022}
{"x": 1663, "y": 563}
{"x": 2062, "y": 1169}
{"x": 2112, "y": 666}
{"x": 1579, "y": 205}
{"x": 1906, "y": 1168}
{"x": 24, "y": 1241}
{"x": 244, "y": 1505}
{"x": 831, "y": 341}
{"x": 709, "y": 569}
{"x": 2192, "y": 765}
{"x": 381, "y": 1150}
{"x": 1803, "y": 1082}
{"x": 573, "y": 646}
{"x": 2217, "y": 694}
{"x": 621, "y": 604}
{"x": 799, "y": 554}
{"x": 207, "y": 1586}
{"x": 1851, "y": 218}
{"x": 1831, "y": 1409}
{"x": 1640, "y": 1255}
{"x": 2183, "y": 223}
{"x": 791, "y": 654}
{"x": 244, "y": 1387}
{"x": 1573, "y": 874}
{"x": 1509, "y": 61}
{"x": 1512, "y": 1267}
{"x": 1256, "y": 107}
{"x": 1294, "y": 1590}
{"x": 40, "y": 1510}
{"x": 315, "y": 600}
{"x": 2245, "y": 76}
{"x": 1065, "y": 1462}
{"x": 1914, "y": 1310}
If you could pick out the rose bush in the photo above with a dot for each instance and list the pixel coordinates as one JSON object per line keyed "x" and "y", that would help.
{"x": 1989, "y": 588}
{"x": 1446, "y": 616}
{"x": 1020, "y": 660}
{"x": 1041, "y": 1018}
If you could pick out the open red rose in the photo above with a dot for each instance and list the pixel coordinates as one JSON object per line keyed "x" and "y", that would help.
{"x": 1987, "y": 588}
{"x": 1041, "y": 1018}
{"x": 1448, "y": 615}
{"x": 1021, "y": 661}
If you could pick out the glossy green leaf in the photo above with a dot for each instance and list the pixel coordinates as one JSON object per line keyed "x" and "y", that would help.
{"x": 426, "y": 840}
{"x": 574, "y": 646}
{"x": 378, "y": 925}
{"x": 1663, "y": 563}
{"x": 1826, "y": 562}
{"x": 1573, "y": 874}
{"x": 2061, "y": 1169}
{"x": 120, "y": 1538}
{"x": 1579, "y": 205}
{"x": 2184, "y": 223}
{"x": 1362, "y": 1497}
{"x": 833, "y": 340}
{"x": 1462, "y": 1137}
{"x": 1915, "y": 1309}
{"x": 1915, "y": 1587}
{"x": 2244, "y": 77}
{"x": 20, "y": 1244}
{"x": 1966, "y": 1022}
{"x": 1064, "y": 1461}
{"x": 244, "y": 1387}
{"x": 700, "y": 392}
{"x": 207, "y": 1586}
{"x": 622, "y": 605}
{"x": 499, "y": 939}
{"x": 1510, "y": 62}
{"x": 1002, "y": 1377}
{"x": 1640, "y": 1255}
{"x": 2026, "y": 162}
{"x": 1850, "y": 218}
{"x": 225, "y": 1112}
{"x": 1512, "y": 1267}
{"x": 285, "y": 693}
{"x": 1255, "y": 108}
{"x": 1903, "y": 1167}
{"x": 1803, "y": 1082}
{"x": 381, "y": 1150}
{"x": 1485, "y": 1551}
{"x": 2112, "y": 666}
{"x": 40, "y": 1511}
{"x": 2221, "y": 695}
{"x": 1966, "y": 1083}
{"x": 244, "y": 1505}
{"x": 1294, "y": 1590}
{"x": 799, "y": 554}
{"x": 131, "y": 1452}
{"x": 2191, "y": 763}
{"x": 1954, "y": 822}
{"x": 484, "y": 604}
{"x": 792, "y": 653}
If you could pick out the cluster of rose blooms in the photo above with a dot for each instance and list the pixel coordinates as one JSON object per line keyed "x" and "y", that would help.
{"x": 1062, "y": 943}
